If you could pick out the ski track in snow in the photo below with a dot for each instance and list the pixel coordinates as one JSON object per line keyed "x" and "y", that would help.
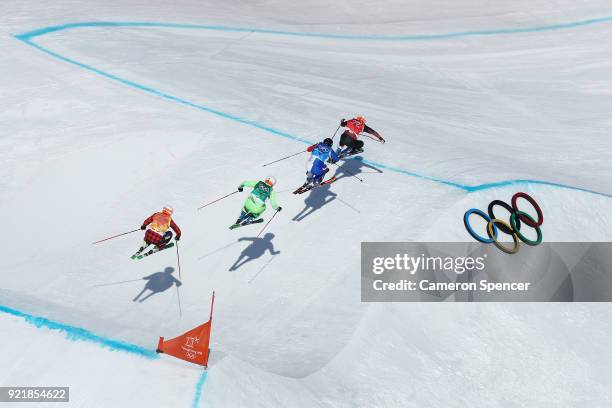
{"x": 28, "y": 37}
{"x": 75, "y": 333}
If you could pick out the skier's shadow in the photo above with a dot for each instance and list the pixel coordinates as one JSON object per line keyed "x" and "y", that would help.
{"x": 256, "y": 249}
{"x": 317, "y": 198}
{"x": 157, "y": 283}
{"x": 353, "y": 166}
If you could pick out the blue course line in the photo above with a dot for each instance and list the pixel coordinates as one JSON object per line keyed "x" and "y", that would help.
{"x": 77, "y": 333}
{"x": 486, "y": 186}
{"x": 416, "y": 37}
{"x": 198, "y": 390}
{"x": 30, "y": 35}
{"x": 166, "y": 95}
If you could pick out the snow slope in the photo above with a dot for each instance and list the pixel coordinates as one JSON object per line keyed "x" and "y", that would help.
{"x": 102, "y": 125}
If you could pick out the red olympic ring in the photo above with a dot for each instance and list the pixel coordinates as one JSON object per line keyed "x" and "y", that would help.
{"x": 535, "y": 206}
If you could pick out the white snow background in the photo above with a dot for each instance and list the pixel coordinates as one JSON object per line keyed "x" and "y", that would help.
{"x": 101, "y": 125}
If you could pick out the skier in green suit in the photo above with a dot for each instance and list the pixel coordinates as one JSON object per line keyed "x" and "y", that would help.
{"x": 255, "y": 204}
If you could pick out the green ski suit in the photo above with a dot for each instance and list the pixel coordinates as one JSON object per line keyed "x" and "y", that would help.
{"x": 256, "y": 202}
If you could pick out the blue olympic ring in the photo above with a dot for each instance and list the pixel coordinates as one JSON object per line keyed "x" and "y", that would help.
{"x": 473, "y": 233}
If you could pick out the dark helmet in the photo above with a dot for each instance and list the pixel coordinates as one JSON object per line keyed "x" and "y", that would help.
{"x": 328, "y": 142}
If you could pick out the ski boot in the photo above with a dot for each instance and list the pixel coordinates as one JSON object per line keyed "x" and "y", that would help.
{"x": 137, "y": 254}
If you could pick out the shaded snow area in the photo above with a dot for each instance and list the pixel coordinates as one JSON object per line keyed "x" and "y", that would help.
{"x": 102, "y": 124}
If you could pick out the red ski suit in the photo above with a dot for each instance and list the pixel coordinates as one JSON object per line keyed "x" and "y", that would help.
{"x": 160, "y": 223}
{"x": 356, "y": 127}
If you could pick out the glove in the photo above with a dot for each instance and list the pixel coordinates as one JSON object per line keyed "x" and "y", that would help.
{"x": 383, "y": 141}
{"x": 177, "y": 238}
{"x": 343, "y": 122}
{"x": 241, "y": 189}
{"x": 143, "y": 227}
{"x": 279, "y": 209}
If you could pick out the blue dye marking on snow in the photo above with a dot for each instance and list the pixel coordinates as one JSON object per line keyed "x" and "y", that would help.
{"x": 77, "y": 333}
{"x": 485, "y": 186}
{"x": 28, "y": 36}
{"x": 198, "y": 391}
{"x": 505, "y": 183}
{"x": 415, "y": 37}
{"x": 167, "y": 95}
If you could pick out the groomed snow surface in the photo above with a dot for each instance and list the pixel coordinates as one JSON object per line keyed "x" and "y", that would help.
{"x": 101, "y": 125}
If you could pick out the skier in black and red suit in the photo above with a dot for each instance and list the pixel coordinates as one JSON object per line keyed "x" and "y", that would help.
{"x": 158, "y": 233}
{"x": 350, "y": 137}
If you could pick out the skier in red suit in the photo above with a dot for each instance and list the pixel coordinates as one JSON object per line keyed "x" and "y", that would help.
{"x": 350, "y": 137}
{"x": 158, "y": 231}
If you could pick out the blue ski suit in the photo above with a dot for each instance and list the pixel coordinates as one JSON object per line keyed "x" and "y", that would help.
{"x": 315, "y": 167}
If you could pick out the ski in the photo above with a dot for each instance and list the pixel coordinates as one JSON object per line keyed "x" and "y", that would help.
{"x": 300, "y": 188}
{"x": 349, "y": 154}
{"x": 142, "y": 255}
{"x": 257, "y": 221}
{"x": 328, "y": 181}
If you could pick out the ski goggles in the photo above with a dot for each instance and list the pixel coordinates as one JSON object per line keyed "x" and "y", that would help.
{"x": 512, "y": 228}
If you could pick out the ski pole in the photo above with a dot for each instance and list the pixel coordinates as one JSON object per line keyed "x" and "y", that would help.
{"x": 178, "y": 261}
{"x": 218, "y": 199}
{"x": 276, "y": 161}
{"x": 338, "y": 128}
{"x": 371, "y": 137}
{"x": 267, "y": 223}
{"x": 115, "y": 236}
{"x": 348, "y": 172}
{"x": 178, "y": 296}
{"x": 178, "y": 292}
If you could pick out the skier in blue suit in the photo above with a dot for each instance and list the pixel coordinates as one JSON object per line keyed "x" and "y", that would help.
{"x": 316, "y": 167}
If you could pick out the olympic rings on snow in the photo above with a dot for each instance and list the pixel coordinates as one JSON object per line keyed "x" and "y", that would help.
{"x": 513, "y": 228}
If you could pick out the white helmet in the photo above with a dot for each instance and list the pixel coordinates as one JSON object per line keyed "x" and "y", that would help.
{"x": 168, "y": 210}
{"x": 270, "y": 180}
